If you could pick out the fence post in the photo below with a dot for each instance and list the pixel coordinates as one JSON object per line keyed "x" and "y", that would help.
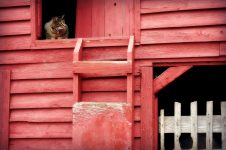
{"x": 194, "y": 125}
{"x": 177, "y": 128}
{"x": 209, "y": 126}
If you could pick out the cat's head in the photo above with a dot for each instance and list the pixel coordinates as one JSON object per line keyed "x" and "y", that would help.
{"x": 58, "y": 25}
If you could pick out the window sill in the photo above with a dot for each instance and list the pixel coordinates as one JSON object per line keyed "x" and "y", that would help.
{"x": 88, "y": 42}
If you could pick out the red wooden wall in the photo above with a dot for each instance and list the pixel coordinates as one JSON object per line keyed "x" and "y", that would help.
{"x": 104, "y": 18}
{"x": 41, "y": 79}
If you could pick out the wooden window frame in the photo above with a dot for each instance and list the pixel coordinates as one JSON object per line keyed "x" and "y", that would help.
{"x": 36, "y": 25}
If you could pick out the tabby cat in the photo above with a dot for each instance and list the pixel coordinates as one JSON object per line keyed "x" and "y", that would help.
{"x": 56, "y": 28}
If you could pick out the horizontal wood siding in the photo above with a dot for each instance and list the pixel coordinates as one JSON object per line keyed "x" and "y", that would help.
{"x": 41, "y": 78}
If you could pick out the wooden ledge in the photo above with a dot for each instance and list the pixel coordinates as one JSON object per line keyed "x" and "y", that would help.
{"x": 87, "y": 42}
{"x": 102, "y": 67}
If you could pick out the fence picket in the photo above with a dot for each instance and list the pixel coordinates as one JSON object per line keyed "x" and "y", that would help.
{"x": 177, "y": 129}
{"x": 194, "y": 127}
{"x": 193, "y": 124}
{"x": 162, "y": 130}
{"x": 209, "y": 126}
{"x": 223, "y": 119}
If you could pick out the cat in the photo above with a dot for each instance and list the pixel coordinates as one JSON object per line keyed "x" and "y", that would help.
{"x": 56, "y": 28}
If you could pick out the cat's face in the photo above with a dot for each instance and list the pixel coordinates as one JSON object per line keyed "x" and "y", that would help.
{"x": 58, "y": 25}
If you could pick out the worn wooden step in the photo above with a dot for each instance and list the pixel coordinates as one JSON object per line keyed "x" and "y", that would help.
{"x": 103, "y": 67}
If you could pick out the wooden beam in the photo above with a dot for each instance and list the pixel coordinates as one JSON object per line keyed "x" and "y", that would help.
{"x": 4, "y": 109}
{"x": 147, "y": 110}
{"x": 87, "y": 42}
{"x": 102, "y": 67}
{"x": 130, "y": 76}
{"x": 169, "y": 76}
{"x": 77, "y": 55}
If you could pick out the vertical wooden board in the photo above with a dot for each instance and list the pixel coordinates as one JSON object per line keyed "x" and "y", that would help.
{"x": 223, "y": 119}
{"x": 113, "y": 23}
{"x": 137, "y": 20}
{"x": 209, "y": 126}
{"x": 194, "y": 125}
{"x": 156, "y": 122}
{"x": 177, "y": 126}
{"x": 98, "y": 18}
{"x": 117, "y": 20}
{"x": 84, "y": 18}
{"x": 77, "y": 55}
{"x": 126, "y": 7}
{"x": 4, "y": 109}
{"x": 147, "y": 110}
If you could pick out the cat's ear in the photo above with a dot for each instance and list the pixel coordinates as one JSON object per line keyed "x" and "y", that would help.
{"x": 62, "y": 17}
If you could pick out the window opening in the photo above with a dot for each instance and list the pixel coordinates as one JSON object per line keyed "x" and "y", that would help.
{"x": 53, "y": 8}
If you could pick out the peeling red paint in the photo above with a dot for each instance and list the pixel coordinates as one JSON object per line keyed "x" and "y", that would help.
{"x": 102, "y": 126}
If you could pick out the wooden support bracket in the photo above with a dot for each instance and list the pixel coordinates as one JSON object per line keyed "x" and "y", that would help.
{"x": 169, "y": 76}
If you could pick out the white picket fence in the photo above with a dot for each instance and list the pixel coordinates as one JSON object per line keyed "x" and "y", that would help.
{"x": 193, "y": 124}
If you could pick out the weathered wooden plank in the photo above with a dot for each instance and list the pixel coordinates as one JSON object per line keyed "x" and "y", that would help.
{"x": 169, "y": 76}
{"x": 116, "y": 11}
{"x": 137, "y": 20}
{"x": 209, "y": 125}
{"x": 183, "y": 19}
{"x": 130, "y": 76}
{"x": 40, "y": 130}
{"x": 15, "y": 14}
{"x": 12, "y": 3}
{"x": 177, "y": 127}
{"x": 84, "y": 18}
{"x": 167, "y": 62}
{"x": 41, "y": 115}
{"x": 15, "y": 28}
{"x": 4, "y": 109}
{"x": 178, "y": 50}
{"x": 223, "y": 123}
{"x": 178, "y": 35}
{"x": 24, "y": 130}
{"x": 98, "y": 18}
{"x": 194, "y": 125}
{"x": 162, "y": 130}
{"x": 147, "y": 109}
{"x": 77, "y": 55}
{"x": 222, "y": 48}
{"x": 88, "y": 42}
{"x": 113, "y": 53}
{"x": 65, "y": 100}
{"x": 19, "y": 42}
{"x": 41, "y": 144}
{"x": 36, "y": 56}
{"x": 42, "y": 100}
{"x": 152, "y": 6}
{"x": 186, "y": 124}
{"x": 102, "y": 67}
{"x": 65, "y": 85}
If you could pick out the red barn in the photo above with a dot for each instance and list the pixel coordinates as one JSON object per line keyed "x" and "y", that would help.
{"x": 126, "y": 59}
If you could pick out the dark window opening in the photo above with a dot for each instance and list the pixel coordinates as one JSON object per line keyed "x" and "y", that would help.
{"x": 199, "y": 84}
{"x": 52, "y": 8}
